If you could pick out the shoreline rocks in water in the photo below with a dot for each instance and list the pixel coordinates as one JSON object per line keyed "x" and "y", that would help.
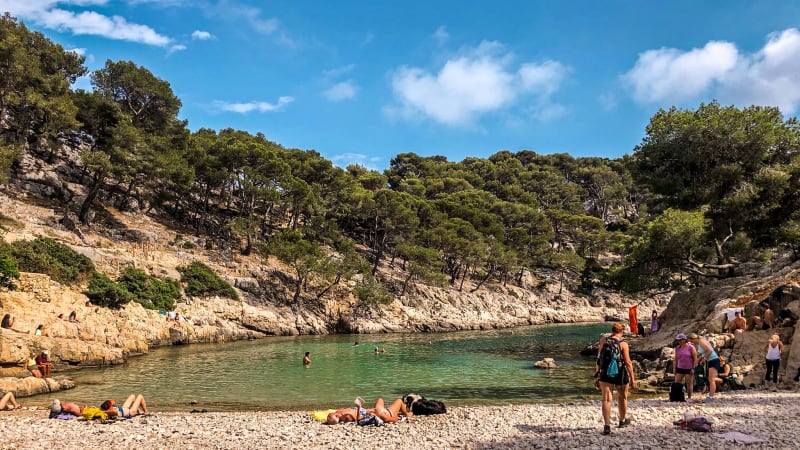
{"x": 768, "y": 415}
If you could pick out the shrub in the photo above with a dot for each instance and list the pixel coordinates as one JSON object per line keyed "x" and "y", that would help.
{"x": 59, "y": 261}
{"x": 150, "y": 291}
{"x": 201, "y": 281}
{"x": 8, "y": 272}
{"x": 103, "y": 291}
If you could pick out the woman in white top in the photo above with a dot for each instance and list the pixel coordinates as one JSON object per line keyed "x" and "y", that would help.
{"x": 774, "y": 348}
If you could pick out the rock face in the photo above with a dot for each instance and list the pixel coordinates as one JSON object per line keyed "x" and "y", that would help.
{"x": 702, "y": 311}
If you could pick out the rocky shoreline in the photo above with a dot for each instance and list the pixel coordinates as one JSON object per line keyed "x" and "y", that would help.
{"x": 756, "y": 413}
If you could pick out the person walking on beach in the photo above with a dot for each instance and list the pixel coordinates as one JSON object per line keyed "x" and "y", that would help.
{"x": 774, "y": 348}
{"x": 307, "y": 359}
{"x": 708, "y": 356}
{"x": 616, "y": 372}
{"x": 684, "y": 364}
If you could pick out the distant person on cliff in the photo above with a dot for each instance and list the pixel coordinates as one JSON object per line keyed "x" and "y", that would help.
{"x": 73, "y": 317}
{"x": 38, "y": 330}
{"x": 616, "y": 372}
{"x": 133, "y": 406}
{"x": 738, "y": 324}
{"x": 710, "y": 357}
{"x": 684, "y": 363}
{"x": 774, "y": 348}
{"x": 8, "y": 322}
{"x": 8, "y": 402}
{"x": 767, "y": 316}
{"x": 43, "y": 363}
{"x": 307, "y": 359}
{"x": 654, "y": 322}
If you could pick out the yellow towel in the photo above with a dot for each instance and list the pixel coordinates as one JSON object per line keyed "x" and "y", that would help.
{"x": 321, "y": 415}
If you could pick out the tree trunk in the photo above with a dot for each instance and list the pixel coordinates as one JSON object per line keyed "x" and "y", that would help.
{"x": 83, "y": 214}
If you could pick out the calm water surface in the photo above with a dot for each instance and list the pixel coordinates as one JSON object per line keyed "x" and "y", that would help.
{"x": 459, "y": 368}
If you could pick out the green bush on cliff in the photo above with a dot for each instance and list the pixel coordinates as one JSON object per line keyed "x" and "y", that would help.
{"x": 103, "y": 291}
{"x": 8, "y": 272}
{"x": 150, "y": 291}
{"x": 201, "y": 281}
{"x": 59, "y": 261}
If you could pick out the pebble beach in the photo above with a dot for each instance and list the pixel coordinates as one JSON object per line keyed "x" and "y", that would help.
{"x": 771, "y": 416}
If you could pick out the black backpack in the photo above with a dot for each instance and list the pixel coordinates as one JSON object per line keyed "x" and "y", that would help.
{"x": 676, "y": 393}
{"x": 610, "y": 358}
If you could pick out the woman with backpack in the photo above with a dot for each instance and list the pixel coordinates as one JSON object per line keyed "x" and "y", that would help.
{"x": 684, "y": 363}
{"x": 615, "y": 371}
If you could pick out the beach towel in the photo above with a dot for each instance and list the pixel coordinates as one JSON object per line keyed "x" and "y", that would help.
{"x": 321, "y": 415}
{"x": 92, "y": 412}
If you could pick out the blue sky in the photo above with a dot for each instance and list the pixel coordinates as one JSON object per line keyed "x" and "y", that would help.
{"x": 361, "y": 81}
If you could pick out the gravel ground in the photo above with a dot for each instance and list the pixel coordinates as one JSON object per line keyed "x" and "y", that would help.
{"x": 770, "y": 415}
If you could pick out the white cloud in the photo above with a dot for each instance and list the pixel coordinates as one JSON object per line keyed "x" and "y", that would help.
{"x": 201, "y": 35}
{"x": 481, "y": 81}
{"x": 333, "y": 73}
{"x": 244, "y": 108}
{"x": 770, "y": 76}
{"x": 47, "y": 14}
{"x": 668, "y": 74}
{"x": 341, "y": 91}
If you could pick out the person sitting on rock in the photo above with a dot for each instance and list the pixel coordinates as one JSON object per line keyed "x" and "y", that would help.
{"x": 32, "y": 368}
{"x": 8, "y": 402}
{"x": 738, "y": 324}
{"x": 133, "y": 406}
{"x": 73, "y": 317}
{"x": 43, "y": 363}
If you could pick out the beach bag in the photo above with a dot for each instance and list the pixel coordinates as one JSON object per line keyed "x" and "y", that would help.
{"x": 676, "y": 393}
{"x": 696, "y": 424}
{"x": 609, "y": 357}
{"x": 700, "y": 381}
{"x": 736, "y": 383}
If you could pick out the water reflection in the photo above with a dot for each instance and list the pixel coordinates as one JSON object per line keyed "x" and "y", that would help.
{"x": 485, "y": 367}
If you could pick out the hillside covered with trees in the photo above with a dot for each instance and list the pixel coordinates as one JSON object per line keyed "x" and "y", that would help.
{"x": 706, "y": 191}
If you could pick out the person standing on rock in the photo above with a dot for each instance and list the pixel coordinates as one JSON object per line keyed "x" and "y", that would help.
{"x": 613, "y": 351}
{"x": 774, "y": 348}
{"x": 707, "y": 356}
{"x": 684, "y": 363}
{"x": 654, "y": 322}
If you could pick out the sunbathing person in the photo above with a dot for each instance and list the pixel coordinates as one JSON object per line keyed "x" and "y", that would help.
{"x": 59, "y": 407}
{"x": 8, "y": 402}
{"x": 353, "y": 414}
{"x": 133, "y": 406}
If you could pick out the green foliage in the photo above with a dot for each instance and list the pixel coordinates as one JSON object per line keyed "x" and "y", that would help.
{"x": 8, "y": 272}
{"x": 103, "y": 291}
{"x": 371, "y": 292}
{"x": 201, "y": 281}
{"x": 59, "y": 261}
{"x": 149, "y": 291}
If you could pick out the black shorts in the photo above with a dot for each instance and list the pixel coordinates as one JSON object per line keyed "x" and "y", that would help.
{"x": 683, "y": 371}
{"x": 621, "y": 379}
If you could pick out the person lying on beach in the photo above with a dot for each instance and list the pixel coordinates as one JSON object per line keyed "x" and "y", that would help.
{"x": 8, "y": 402}
{"x": 387, "y": 414}
{"x": 58, "y": 407}
{"x": 133, "y": 406}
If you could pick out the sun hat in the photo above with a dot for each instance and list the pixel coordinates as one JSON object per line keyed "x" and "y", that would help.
{"x": 692, "y": 336}
{"x": 55, "y": 406}
{"x": 680, "y": 336}
{"x": 46, "y": 352}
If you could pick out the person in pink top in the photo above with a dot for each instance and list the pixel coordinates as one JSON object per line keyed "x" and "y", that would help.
{"x": 685, "y": 362}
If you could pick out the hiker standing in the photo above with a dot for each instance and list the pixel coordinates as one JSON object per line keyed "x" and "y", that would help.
{"x": 615, "y": 371}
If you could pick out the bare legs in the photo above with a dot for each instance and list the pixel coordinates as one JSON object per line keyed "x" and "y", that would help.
{"x": 608, "y": 398}
{"x": 8, "y": 398}
{"x": 392, "y": 412}
{"x": 135, "y": 405}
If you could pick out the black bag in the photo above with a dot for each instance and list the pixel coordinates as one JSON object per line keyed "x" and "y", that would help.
{"x": 676, "y": 393}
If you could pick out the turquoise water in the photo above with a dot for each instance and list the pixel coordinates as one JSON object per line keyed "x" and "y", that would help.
{"x": 459, "y": 368}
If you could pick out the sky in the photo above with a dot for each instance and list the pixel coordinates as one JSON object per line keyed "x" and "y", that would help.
{"x": 360, "y": 81}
